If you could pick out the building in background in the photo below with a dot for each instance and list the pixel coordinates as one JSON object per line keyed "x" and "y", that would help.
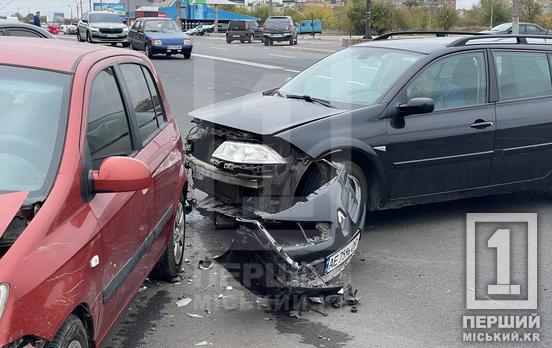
{"x": 116, "y": 7}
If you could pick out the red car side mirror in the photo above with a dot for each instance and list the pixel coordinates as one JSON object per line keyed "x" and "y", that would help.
{"x": 121, "y": 174}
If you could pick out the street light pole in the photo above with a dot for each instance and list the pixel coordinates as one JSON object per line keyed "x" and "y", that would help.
{"x": 492, "y": 13}
{"x": 367, "y": 28}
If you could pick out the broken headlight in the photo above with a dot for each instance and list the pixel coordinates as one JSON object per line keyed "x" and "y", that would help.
{"x": 4, "y": 291}
{"x": 247, "y": 153}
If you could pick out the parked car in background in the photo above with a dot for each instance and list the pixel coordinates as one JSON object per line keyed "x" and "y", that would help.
{"x": 11, "y": 19}
{"x": 221, "y": 28}
{"x": 198, "y": 30}
{"x": 69, "y": 29}
{"x": 54, "y": 29}
{"x": 524, "y": 28}
{"x": 91, "y": 144}
{"x": 243, "y": 30}
{"x": 23, "y": 29}
{"x": 159, "y": 36}
{"x": 102, "y": 27}
{"x": 278, "y": 29}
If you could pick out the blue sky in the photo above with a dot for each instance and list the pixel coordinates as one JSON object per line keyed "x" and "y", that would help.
{"x": 49, "y": 6}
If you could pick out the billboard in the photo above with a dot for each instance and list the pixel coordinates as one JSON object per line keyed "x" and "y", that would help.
{"x": 116, "y": 7}
{"x": 59, "y": 17}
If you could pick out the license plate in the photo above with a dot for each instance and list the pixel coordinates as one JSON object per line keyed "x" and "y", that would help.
{"x": 111, "y": 36}
{"x": 171, "y": 48}
{"x": 277, "y": 35}
{"x": 235, "y": 36}
{"x": 340, "y": 256}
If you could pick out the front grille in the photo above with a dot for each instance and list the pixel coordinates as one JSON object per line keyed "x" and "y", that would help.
{"x": 111, "y": 30}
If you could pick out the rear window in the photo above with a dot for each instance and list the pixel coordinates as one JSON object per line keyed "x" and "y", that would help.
{"x": 277, "y": 21}
{"x": 236, "y": 25}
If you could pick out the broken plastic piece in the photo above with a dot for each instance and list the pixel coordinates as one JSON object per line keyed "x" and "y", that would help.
{"x": 205, "y": 264}
{"x": 183, "y": 302}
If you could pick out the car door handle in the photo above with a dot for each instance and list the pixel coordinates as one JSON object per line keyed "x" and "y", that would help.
{"x": 480, "y": 124}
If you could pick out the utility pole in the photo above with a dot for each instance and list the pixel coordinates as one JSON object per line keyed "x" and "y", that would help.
{"x": 368, "y": 20}
{"x": 270, "y": 9}
{"x": 90, "y": 5}
{"x": 515, "y": 17}
{"x": 215, "y": 27}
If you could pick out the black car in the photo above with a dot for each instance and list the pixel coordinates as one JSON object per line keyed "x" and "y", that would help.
{"x": 278, "y": 29}
{"x": 243, "y": 30}
{"x": 102, "y": 27}
{"x": 412, "y": 120}
{"x": 23, "y": 29}
{"x": 524, "y": 28}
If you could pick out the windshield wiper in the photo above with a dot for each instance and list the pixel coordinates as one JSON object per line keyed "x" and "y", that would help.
{"x": 310, "y": 99}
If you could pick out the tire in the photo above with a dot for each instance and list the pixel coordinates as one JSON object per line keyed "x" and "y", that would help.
{"x": 250, "y": 40}
{"x": 88, "y": 37}
{"x": 187, "y": 54}
{"x": 147, "y": 51}
{"x": 228, "y": 40}
{"x": 291, "y": 41}
{"x": 113, "y": 44}
{"x": 271, "y": 42}
{"x": 79, "y": 38}
{"x": 170, "y": 264}
{"x": 71, "y": 334}
{"x": 265, "y": 42}
{"x": 242, "y": 41}
{"x": 358, "y": 174}
{"x": 168, "y": 54}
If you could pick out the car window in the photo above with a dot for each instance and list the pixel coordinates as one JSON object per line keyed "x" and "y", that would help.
{"x": 531, "y": 29}
{"x": 236, "y": 25}
{"x": 142, "y": 103}
{"x": 454, "y": 81}
{"x": 159, "y": 110}
{"x": 24, "y": 33}
{"x": 108, "y": 131}
{"x": 522, "y": 75}
{"x": 136, "y": 25}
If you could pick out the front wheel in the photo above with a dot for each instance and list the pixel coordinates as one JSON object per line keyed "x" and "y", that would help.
{"x": 265, "y": 42}
{"x": 359, "y": 182}
{"x": 71, "y": 335}
{"x": 147, "y": 51}
{"x": 170, "y": 264}
{"x": 79, "y": 37}
{"x": 88, "y": 37}
{"x": 187, "y": 54}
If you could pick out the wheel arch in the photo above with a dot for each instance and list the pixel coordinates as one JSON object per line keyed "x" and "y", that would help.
{"x": 82, "y": 311}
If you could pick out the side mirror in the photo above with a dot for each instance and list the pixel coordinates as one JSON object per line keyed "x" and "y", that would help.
{"x": 84, "y": 20}
{"x": 417, "y": 106}
{"x": 121, "y": 174}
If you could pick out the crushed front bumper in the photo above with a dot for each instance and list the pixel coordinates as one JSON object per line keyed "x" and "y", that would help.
{"x": 293, "y": 250}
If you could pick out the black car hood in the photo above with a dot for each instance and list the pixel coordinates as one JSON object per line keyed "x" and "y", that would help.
{"x": 263, "y": 114}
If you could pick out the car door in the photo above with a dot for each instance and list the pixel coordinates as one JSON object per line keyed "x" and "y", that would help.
{"x": 524, "y": 116}
{"x": 449, "y": 149}
{"x": 132, "y": 34}
{"x": 124, "y": 225}
{"x": 160, "y": 151}
{"x": 141, "y": 35}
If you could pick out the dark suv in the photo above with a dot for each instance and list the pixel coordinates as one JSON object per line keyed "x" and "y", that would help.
{"x": 412, "y": 121}
{"x": 243, "y": 30}
{"x": 279, "y": 28}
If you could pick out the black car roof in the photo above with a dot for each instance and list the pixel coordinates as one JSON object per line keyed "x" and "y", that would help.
{"x": 422, "y": 45}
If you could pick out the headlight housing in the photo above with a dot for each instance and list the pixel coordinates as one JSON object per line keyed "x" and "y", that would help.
{"x": 247, "y": 153}
{"x": 125, "y": 29}
{"x": 187, "y": 42}
{"x": 156, "y": 42}
{"x": 4, "y": 292}
{"x": 94, "y": 29}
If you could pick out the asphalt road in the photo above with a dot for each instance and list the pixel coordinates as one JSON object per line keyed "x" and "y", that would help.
{"x": 410, "y": 267}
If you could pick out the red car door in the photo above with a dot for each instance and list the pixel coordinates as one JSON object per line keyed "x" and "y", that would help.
{"x": 123, "y": 218}
{"x": 162, "y": 151}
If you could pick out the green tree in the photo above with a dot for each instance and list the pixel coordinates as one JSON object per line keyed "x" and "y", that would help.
{"x": 530, "y": 10}
{"x": 502, "y": 12}
{"x": 447, "y": 17}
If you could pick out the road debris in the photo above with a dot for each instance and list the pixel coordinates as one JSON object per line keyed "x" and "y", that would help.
{"x": 228, "y": 288}
{"x": 194, "y": 315}
{"x": 295, "y": 314}
{"x": 205, "y": 265}
{"x": 183, "y": 302}
{"x": 202, "y": 343}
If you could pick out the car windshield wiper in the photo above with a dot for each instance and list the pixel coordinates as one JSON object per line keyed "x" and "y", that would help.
{"x": 310, "y": 99}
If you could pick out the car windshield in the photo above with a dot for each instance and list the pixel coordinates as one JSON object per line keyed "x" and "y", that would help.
{"x": 162, "y": 26}
{"x": 356, "y": 76}
{"x": 34, "y": 107}
{"x": 105, "y": 17}
{"x": 502, "y": 27}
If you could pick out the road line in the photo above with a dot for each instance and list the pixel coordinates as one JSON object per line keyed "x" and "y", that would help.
{"x": 245, "y": 62}
{"x": 280, "y": 55}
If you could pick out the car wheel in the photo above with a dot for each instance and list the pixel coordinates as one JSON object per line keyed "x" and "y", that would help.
{"x": 265, "y": 42}
{"x": 170, "y": 264}
{"x": 228, "y": 40}
{"x": 71, "y": 335}
{"x": 291, "y": 41}
{"x": 79, "y": 37}
{"x": 88, "y": 37}
{"x": 147, "y": 51}
{"x": 125, "y": 44}
{"x": 187, "y": 54}
{"x": 113, "y": 44}
{"x": 250, "y": 39}
{"x": 168, "y": 54}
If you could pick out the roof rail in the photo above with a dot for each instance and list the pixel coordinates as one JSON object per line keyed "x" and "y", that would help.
{"x": 520, "y": 39}
{"x": 436, "y": 33}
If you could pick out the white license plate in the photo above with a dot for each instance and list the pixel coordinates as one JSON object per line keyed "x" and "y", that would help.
{"x": 111, "y": 36}
{"x": 341, "y": 255}
{"x": 171, "y": 48}
{"x": 277, "y": 35}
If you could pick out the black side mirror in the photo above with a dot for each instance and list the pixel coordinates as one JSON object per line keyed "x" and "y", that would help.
{"x": 417, "y": 106}
{"x": 85, "y": 20}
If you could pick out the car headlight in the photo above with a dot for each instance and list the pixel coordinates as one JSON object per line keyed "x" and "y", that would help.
{"x": 4, "y": 292}
{"x": 187, "y": 42}
{"x": 94, "y": 29}
{"x": 156, "y": 42}
{"x": 125, "y": 29}
{"x": 247, "y": 153}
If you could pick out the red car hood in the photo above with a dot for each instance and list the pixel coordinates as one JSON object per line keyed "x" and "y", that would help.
{"x": 9, "y": 206}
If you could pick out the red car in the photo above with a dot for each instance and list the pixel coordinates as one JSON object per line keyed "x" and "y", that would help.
{"x": 91, "y": 186}
{"x": 53, "y": 29}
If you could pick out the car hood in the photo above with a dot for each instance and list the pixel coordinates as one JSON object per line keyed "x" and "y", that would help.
{"x": 263, "y": 114}
{"x": 10, "y": 204}
{"x": 159, "y": 36}
{"x": 108, "y": 25}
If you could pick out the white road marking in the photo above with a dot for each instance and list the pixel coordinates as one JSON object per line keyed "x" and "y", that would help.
{"x": 280, "y": 55}
{"x": 245, "y": 62}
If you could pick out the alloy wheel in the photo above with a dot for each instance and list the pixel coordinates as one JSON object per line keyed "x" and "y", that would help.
{"x": 178, "y": 232}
